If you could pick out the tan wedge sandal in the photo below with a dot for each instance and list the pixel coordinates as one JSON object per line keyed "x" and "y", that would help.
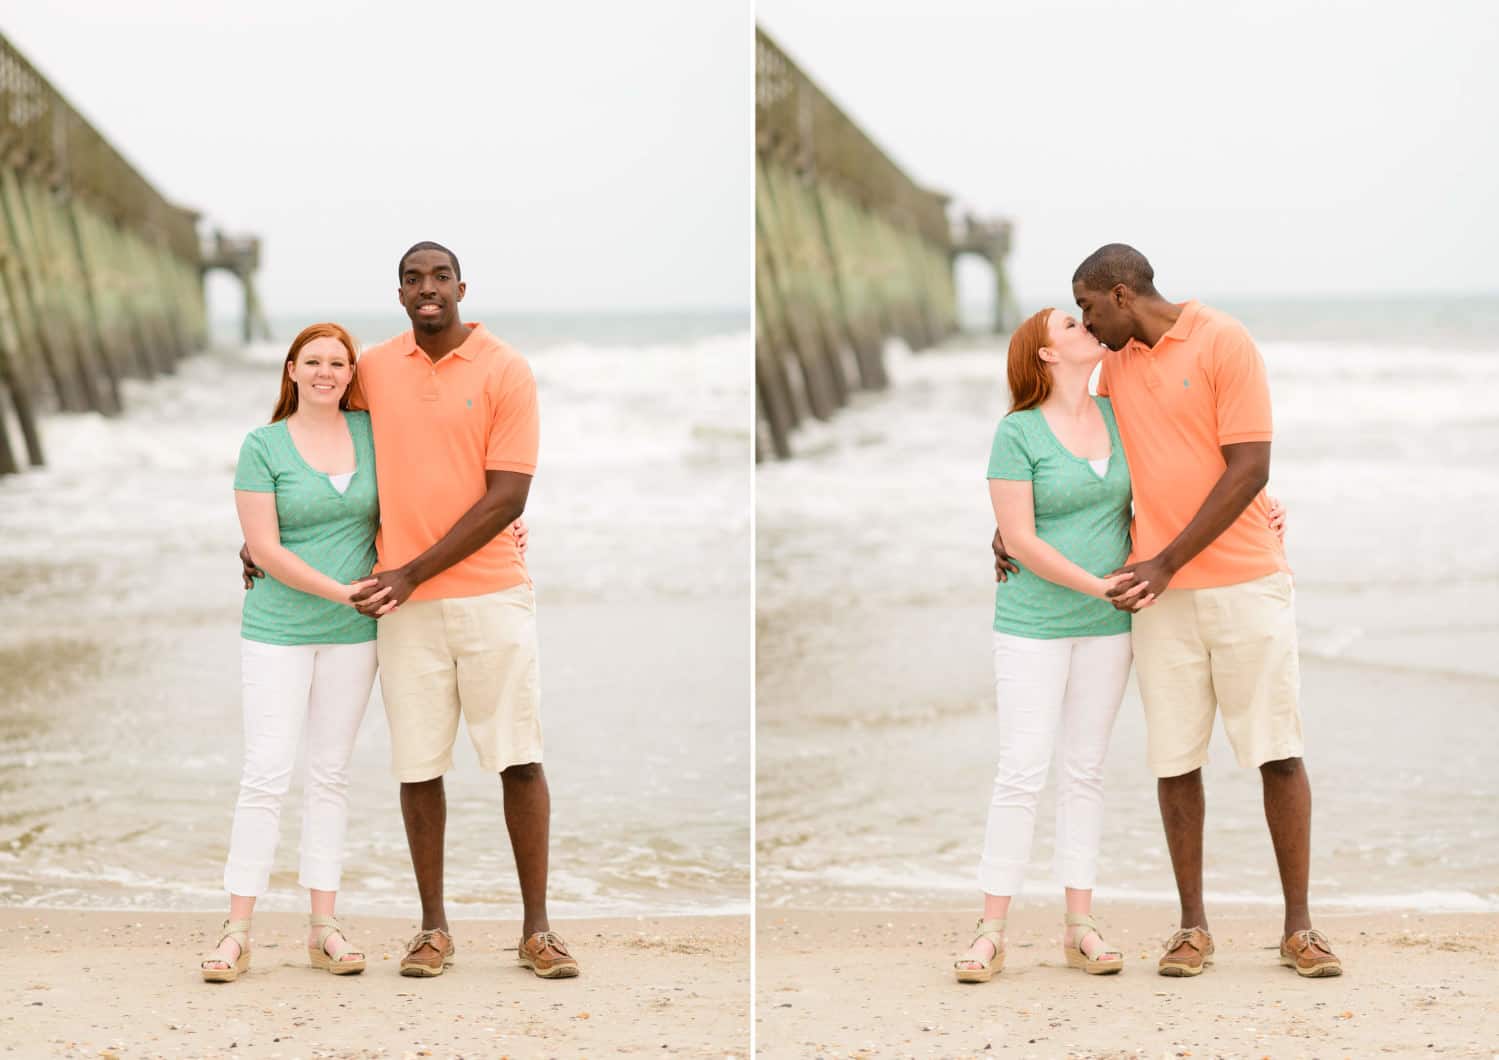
{"x": 1076, "y": 958}
{"x": 994, "y": 932}
{"x": 239, "y": 931}
{"x": 327, "y": 927}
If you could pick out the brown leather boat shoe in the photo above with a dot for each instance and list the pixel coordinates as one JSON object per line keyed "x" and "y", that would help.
{"x": 1187, "y": 952}
{"x": 1310, "y": 954}
{"x": 546, "y": 954}
{"x": 439, "y": 948}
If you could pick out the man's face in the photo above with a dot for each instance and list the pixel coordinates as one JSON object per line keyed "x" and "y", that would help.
{"x": 1104, "y": 315}
{"x": 430, "y": 290}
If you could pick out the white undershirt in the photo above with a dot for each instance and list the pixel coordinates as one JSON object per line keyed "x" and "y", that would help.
{"x": 341, "y": 482}
{"x": 1100, "y": 467}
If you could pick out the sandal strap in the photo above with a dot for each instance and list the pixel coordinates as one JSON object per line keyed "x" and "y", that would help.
{"x": 326, "y": 927}
{"x": 1085, "y": 920}
{"x": 993, "y": 931}
{"x": 238, "y": 930}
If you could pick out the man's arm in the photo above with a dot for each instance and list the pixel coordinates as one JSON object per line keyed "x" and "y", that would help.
{"x": 503, "y": 502}
{"x": 1246, "y": 474}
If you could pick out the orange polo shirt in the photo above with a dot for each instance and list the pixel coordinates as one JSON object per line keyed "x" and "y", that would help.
{"x": 438, "y": 428}
{"x": 1200, "y": 387}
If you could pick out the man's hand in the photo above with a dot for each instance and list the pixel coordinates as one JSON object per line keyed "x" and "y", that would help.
{"x": 383, "y": 592}
{"x": 1004, "y": 563}
{"x": 1277, "y": 517}
{"x": 249, "y": 572}
{"x": 1147, "y": 580}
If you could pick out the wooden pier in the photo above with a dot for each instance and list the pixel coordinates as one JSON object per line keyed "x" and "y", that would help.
{"x": 849, "y": 252}
{"x": 101, "y": 278}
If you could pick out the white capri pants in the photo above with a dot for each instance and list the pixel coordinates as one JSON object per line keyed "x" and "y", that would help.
{"x": 324, "y": 689}
{"x": 1069, "y": 688}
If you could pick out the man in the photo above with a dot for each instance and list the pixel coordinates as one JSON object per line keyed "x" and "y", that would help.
{"x": 1193, "y": 406}
{"x": 456, "y": 433}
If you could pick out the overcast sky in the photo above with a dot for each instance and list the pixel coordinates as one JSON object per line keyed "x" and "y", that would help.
{"x": 576, "y": 155}
{"x": 1261, "y": 147}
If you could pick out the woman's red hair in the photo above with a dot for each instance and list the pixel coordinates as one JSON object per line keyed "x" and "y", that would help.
{"x": 286, "y": 402}
{"x": 1030, "y": 378}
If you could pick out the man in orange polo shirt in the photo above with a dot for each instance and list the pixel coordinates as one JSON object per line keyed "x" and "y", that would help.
{"x": 456, "y": 432}
{"x": 1192, "y": 403}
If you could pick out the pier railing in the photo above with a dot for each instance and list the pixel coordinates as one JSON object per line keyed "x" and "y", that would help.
{"x": 849, "y": 252}
{"x": 100, "y": 276}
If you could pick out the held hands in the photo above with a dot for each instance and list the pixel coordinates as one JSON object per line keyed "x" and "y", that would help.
{"x": 1135, "y": 598}
{"x": 382, "y": 592}
{"x": 1149, "y": 577}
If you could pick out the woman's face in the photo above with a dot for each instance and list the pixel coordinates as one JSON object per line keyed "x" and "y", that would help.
{"x": 1068, "y": 342}
{"x": 322, "y": 372}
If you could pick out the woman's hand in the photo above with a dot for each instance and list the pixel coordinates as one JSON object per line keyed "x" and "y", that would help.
{"x": 1135, "y": 600}
{"x": 518, "y": 528}
{"x": 1102, "y": 586}
{"x": 347, "y": 597}
{"x": 1277, "y": 517}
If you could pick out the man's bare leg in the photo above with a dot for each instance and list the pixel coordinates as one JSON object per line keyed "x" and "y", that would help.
{"x": 1183, "y": 808}
{"x": 1288, "y": 811}
{"x": 424, "y": 808}
{"x": 528, "y": 816}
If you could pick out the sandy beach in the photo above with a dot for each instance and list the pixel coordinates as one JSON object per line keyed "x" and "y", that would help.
{"x": 102, "y": 984}
{"x": 880, "y": 985}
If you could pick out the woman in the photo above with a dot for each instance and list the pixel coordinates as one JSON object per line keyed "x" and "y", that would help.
{"x": 1060, "y": 489}
{"x": 305, "y": 493}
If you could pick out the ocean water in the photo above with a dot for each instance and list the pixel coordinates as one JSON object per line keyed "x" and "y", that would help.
{"x": 876, "y": 736}
{"x": 120, "y": 735}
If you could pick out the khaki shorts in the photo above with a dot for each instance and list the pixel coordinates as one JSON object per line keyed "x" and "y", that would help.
{"x": 469, "y": 655}
{"x": 1231, "y": 648}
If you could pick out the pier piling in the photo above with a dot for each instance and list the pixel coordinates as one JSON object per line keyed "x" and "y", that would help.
{"x": 850, "y": 252}
{"x": 101, "y": 278}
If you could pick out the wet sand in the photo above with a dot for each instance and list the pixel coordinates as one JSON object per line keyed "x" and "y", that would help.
{"x": 880, "y": 985}
{"x": 102, "y": 984}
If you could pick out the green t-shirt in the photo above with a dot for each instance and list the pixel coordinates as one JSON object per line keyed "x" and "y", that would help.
{"x": 332, "y": 532}
{"x": 1083, "y": 516}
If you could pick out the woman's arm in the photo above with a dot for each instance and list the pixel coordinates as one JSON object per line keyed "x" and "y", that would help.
{"x": 257, "y": 518}
{"x": 1015, "y": 513}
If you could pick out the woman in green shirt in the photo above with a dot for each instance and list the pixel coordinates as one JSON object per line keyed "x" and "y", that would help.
{"x": 305, "y": 493}
{"x": 1060, "y": 490}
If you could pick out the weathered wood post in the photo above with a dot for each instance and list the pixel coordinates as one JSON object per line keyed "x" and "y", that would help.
{"x": 100, "y": 276}
{"x": 849, "y": 252}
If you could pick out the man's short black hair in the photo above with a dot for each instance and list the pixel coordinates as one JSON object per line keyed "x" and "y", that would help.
{"x": 427, "y": 244}
{"x": 1116, "y": 263}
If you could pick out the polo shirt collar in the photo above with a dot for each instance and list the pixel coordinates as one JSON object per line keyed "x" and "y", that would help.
{"x": 1182, "y": 329}
{"x": 478, "y": 337}
{"x": 1179, "y": 332}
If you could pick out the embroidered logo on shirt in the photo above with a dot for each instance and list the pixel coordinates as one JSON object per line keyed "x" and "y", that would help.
{"x": 469, "y": 403}
{"x": 1186, "y": 383}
